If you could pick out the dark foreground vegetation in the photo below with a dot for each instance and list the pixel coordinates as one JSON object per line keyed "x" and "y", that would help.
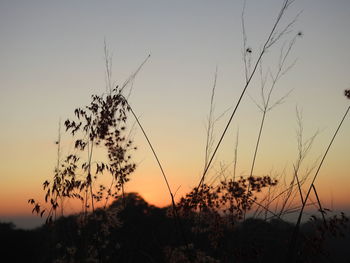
{"x": 134, "y": 231}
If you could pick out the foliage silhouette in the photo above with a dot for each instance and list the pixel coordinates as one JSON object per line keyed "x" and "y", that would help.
{"x": 139, "y": 232}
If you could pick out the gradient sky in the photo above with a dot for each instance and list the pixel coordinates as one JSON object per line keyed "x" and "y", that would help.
{"x": 51, "y": 61}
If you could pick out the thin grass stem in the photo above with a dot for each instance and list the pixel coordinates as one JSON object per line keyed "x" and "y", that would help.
{"x": 292, "y": 247}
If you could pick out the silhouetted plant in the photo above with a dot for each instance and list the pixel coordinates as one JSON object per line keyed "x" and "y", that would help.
{"x": 102, "y": 123}
{"x": 212, "y": 209}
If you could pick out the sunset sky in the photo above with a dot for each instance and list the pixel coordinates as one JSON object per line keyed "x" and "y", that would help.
{"x": 52, "y": 61}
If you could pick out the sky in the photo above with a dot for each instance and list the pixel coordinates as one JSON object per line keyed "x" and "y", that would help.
{"x": 52, "y": 61}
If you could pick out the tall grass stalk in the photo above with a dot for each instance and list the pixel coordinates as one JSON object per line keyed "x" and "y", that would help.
{"x": 272, "y": 38}
{"x": 266, "y": 98}
{"x": 266, "y": 104}
{"x": 210, "y": 125}
{"x": 235, "y": 158}
{"x": 58, "y": 142}
{"x": 154, "y": 153}
{"x": 293, "y": 243}
{"x": 322, "y": 211}
{"x": 177, "y": 218}
{"x": 304, "y": 148}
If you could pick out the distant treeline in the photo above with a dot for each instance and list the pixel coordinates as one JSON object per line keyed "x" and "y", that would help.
{"x": 131, "y": 230}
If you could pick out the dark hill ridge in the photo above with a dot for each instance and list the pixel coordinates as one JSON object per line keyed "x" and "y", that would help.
{"x": 131, "y": 230}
